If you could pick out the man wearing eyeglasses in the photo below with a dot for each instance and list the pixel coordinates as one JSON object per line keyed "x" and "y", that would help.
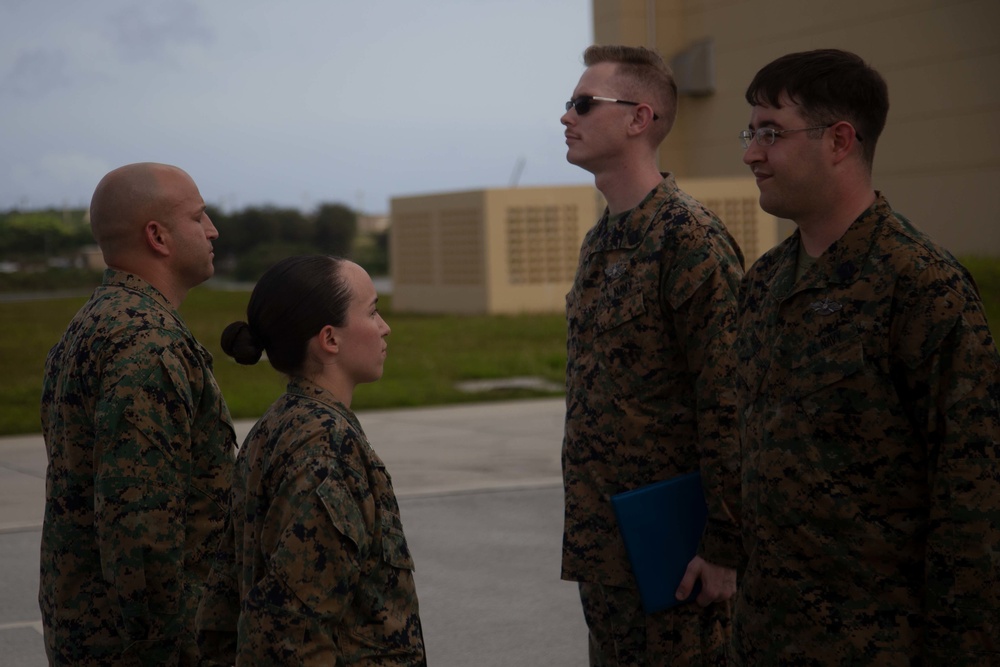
{"x": 650, "y": 369}
{"x": 869, "y": 402}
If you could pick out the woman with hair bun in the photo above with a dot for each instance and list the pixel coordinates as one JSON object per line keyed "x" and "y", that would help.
{"x": 322, "y": 568}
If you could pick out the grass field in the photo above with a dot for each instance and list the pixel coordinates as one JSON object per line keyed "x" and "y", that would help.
{"x": 986, "y": 271}
{"x": 427, "y": 354}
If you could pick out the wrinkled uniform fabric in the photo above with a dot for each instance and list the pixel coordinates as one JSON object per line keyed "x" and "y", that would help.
{"x": 140, "y": 452}
{"x": 650, "y": 387}
{"x": 871, "y": 437}
{"x": 622, "y": 633}
{"x": 322, "y": 569}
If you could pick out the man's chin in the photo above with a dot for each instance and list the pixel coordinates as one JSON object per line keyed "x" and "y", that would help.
{"x": 574, "y": 160}
{"x": 769, "y": 205}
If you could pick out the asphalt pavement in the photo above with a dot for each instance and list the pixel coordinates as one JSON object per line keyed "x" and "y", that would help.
{"x": 480, "y": 493}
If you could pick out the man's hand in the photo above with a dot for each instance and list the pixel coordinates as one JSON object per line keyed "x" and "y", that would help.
{"x": 718, "y": 583}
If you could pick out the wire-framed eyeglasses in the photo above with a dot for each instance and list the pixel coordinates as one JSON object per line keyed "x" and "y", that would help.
{"x": 582, "y": 104}
{"x": 765, "y": 135}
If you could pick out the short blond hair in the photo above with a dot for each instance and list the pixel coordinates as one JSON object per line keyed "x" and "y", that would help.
{"x": 645, "y": 76}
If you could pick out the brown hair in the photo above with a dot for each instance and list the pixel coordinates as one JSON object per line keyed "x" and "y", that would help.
{"x": 290, "y": 304}
{"x": 829, "y": 85}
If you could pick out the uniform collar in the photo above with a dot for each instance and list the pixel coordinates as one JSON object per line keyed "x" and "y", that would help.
{"x": 630, "y": 229}
{"x": 125, "y": 280}
{"x": 299, "y": 386}
{"x": 841, "y": 264}
{"x": 130, "y": 281}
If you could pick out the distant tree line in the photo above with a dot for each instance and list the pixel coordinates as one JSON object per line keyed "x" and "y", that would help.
{"x": 250, "y": 240}
{"x": 31, "y": 236}
{"x": 255, "y": 238}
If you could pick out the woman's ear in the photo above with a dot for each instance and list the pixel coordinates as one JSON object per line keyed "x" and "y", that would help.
{"x": 329, "y": 339}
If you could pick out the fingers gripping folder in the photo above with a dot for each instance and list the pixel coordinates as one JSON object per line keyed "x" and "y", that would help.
{"x": 661, "y": 525}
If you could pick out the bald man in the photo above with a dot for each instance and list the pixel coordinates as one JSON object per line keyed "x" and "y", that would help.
{"x": 139, "y": 440}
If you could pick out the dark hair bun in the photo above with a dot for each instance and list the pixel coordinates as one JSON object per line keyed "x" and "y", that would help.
{"x": 239, "y": 343}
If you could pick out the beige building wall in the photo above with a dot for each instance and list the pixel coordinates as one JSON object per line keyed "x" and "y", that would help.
{"x": 516, "y": 250}
{"x": 92, "y": 258}
{"x": 424, "y": 231}
{"x": 735, "y": 201}
{"x": 488, "y": 251}
{"x": 938, "y": 160}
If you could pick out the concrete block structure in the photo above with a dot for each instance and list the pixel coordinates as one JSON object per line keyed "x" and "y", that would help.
{"x": 488, "y": 251}
{"x": 515, "y": 250}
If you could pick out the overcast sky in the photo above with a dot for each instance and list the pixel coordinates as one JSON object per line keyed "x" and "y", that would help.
{"x": 292, "y": 103}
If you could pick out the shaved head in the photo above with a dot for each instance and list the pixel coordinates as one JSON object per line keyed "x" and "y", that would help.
{"x": 125, "y": 200}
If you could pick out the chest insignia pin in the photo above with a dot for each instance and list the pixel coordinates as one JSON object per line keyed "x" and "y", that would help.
{"x": 825, "y": 307}
{"x": 615, "y": 271}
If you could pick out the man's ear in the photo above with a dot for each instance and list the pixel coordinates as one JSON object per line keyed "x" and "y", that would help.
{"x": 157, "y": 236}
{"x": 642, "y": 118}
{"x": 845, "y": 138}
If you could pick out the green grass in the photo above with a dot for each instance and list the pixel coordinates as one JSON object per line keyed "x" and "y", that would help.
{"x": 427, "y": 354}
{"x": 986, "y": 272}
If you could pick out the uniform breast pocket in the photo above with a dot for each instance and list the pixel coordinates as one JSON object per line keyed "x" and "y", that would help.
{"x": 829, "y": 417}
{"x": 615, "y": 311}
{"x": 386, "y": 600}
{"x": 395, "y": 552}
{"x": 831, "y": 377}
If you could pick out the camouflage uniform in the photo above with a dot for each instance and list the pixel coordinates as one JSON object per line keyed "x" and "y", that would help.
{"x": 140, "y": 449}
{"x": 871, "y": 436}
{"x": 321, "y": 563}
{"x": 650, "y": 395}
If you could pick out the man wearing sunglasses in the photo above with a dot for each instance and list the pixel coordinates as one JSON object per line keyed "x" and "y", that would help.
{"x": 650, "y": 367}
{"x": 868, "y": 402}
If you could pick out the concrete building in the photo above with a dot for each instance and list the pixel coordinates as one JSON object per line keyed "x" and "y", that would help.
{"x": 488, "y": 251}
{"x": 515, "y": 250}
{"x": 938, "y": 161}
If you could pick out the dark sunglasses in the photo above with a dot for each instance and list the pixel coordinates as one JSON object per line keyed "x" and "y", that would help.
{"x": 582, "y": 104}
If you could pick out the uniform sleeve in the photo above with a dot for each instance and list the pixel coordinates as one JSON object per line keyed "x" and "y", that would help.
{"x": 142, "y": 471}
{"x": 321, "y": 517}
{"x": 219, "y": 609}
{"x": 702, "y": 290}
{"x": 948, "y": 375}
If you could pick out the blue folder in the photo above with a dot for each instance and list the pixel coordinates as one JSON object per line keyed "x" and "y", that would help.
{"x": 662, "y": 524}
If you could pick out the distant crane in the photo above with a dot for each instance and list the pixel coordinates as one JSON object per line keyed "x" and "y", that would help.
{"x": 515, "y": 176}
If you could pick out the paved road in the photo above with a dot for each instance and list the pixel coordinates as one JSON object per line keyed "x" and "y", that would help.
{"x": 480, "y": 494}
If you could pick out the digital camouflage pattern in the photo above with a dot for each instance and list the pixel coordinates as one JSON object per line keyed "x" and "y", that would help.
{"x": 622, "y": 633}
{"x": 870, "y": 420}
{"x": 650, "y": 379}
{"x": 322, "y": 568}
{"x": 140, "y": 452}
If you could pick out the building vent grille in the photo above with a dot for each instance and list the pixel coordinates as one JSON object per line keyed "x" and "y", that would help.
{"x": 740, "y": 215}
{"x": 462, "y": 249}
{"x": 542, "y": 244}
{"x": 414, "y": 257}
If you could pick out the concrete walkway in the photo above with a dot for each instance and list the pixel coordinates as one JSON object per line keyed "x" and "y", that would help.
{"x": 481, "y": 497}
